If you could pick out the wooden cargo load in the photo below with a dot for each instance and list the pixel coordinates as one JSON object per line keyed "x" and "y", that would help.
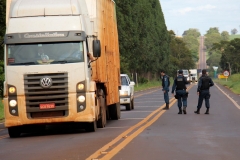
{"x": 107, "y": 68}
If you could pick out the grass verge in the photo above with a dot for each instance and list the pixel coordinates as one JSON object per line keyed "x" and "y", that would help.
{"x": 150, "y": 84}
{"x": 233, "y": 83}
{"x": 143, "y": 86}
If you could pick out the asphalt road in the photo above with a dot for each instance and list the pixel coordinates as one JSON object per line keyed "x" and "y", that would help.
{"x": 147, "y": 132}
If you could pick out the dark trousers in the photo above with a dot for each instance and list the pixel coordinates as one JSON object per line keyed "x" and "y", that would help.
{"x": 182, "y": 100}
{"x": 204, "y": 94}
{"x": 166, "y": 97}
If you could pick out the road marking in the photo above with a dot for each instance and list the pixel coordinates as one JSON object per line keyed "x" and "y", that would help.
{"x": 149, "y": 101}
{"x": 147, "y": 106}
{"x": 130, "y": 119}
{"x": 136, "y": 111}
{"x": 114, "y": 127}
{"x": 4, "y": 136}
{"x": 133, "y": 131}
{"x": 234, "y": 102}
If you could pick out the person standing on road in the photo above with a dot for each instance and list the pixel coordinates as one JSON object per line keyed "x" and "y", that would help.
{"x": 179, "y": 86}
{"x": 204, "y": 84}
{"x": 165, "y": 88}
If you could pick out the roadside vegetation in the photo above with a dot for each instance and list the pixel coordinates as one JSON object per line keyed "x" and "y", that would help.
{"x": 151, "y": 84}
{"x": 1, "y": 111}
{"x": 233, "y": 83}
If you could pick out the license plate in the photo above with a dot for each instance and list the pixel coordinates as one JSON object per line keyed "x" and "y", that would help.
{"x": 47, "y": 106}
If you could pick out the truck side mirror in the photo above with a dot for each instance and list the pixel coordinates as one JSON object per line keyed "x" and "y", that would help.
{"x": 96, "y": 48}
{"x": 132, "y": 83}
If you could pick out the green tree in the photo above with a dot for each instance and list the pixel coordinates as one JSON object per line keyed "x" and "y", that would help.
{"x": 180, "y": 55}
{"x": 143, "y": 37}
{"x": 2, "y": 25}
{"x": 234, "y": 31}
{"x": 212, "y": 36}
{"x": 225, "y": 36}
{"x": 192, "y": 32}
{"x": 231, "y": 55}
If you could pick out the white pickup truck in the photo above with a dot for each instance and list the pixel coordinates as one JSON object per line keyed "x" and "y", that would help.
{"x": 127, "y": 92}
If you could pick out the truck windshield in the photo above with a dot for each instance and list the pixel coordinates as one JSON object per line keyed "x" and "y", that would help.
{"x": 185, "y": 72}
{"x": 45, "y": 53}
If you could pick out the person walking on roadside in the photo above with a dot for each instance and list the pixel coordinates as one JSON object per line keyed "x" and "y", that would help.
{"x": 204, "y": 84}
{"x": 179, "y": 86}
{"x": 165, "y": 88}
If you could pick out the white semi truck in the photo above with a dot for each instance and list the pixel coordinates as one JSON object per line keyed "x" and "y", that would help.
{"x": 193, "y": 75}
{"x": 50, "y": 74}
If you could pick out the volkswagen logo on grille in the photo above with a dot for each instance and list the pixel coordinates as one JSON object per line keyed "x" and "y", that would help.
{"x": 46, "y": 82}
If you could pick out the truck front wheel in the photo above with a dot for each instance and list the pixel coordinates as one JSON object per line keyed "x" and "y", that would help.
{"x": 91, "y": 127}
{"x": 14, "y": 132}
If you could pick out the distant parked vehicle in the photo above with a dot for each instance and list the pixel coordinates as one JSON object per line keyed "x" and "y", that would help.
{"x": 193, "y": 75}
{"x": 127, "y": 92}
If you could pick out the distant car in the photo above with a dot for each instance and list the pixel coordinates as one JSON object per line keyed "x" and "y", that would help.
{"x": 127, "y": 92}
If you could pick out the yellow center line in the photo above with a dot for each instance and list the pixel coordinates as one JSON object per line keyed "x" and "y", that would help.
{"x": 115, "y": 150}
{"x": 128, "y": 139}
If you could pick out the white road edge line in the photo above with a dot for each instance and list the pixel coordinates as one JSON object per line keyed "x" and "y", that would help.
{"x": 234, "y": 102}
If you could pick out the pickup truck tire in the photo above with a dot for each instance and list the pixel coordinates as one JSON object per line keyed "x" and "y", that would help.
{"x": 132, "y": 103}
{"x": 129, "y": 106}
{"x": 14, "y": 132}
{"x": 101, "y": 123}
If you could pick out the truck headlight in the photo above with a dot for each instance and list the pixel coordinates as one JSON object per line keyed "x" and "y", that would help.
{"x": 123, "y": 93}
{"x": 13, "y": 103}
{"x": 81, "y": 99}
{"x": 12, "y": 90}
{"x": 80, "y": 86}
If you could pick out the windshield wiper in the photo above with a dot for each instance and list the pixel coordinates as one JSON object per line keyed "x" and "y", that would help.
{"x": 61, "y": 62}
{"x": 24, "y": 63}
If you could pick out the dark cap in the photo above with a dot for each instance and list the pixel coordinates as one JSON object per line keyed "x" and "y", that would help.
{"x": 204, "y": 71}
{"x": 180, "y": 72}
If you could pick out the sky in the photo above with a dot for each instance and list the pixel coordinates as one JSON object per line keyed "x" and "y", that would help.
{"x": 181, "y": 15}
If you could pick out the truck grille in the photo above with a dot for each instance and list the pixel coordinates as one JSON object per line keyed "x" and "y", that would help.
{"x": 35, "y": 94}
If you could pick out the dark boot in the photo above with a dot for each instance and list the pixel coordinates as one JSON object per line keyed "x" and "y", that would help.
{"x": 207, "y": 111}
{"x": 184, "y": 109}
{"x": 180, "y": 110}
{"x": 167, "y": 107}
{"x": 197, "y": 111}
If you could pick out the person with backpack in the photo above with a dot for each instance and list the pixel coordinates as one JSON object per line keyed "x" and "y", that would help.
{"x": 165, "y": 88}
{"x": 179, "y": 86}
{"x": 204, "y": 84}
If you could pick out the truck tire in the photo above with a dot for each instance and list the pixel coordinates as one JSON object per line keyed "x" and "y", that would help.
{"x": 101, "y": 123}
{"x": 14, "y": 132}
{"x": 132, "y": 102}
{"x": 114, "y": 111}
{"x": 91, "y": 127}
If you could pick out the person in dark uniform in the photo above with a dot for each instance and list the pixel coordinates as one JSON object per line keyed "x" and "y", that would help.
{"x": 179, "y": 86}
{"x": 204, "y": 84}
{"x": 165, "y": 88}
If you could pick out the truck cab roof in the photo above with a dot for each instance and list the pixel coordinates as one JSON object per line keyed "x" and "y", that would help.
{"x": 26, "y": 8}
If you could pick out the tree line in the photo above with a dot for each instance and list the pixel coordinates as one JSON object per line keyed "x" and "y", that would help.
{"x": 146, "y": 46}
{"x": 222, "y": 51}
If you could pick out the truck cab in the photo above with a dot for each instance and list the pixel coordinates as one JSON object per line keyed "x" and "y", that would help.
{"x": 49, "y": 77}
